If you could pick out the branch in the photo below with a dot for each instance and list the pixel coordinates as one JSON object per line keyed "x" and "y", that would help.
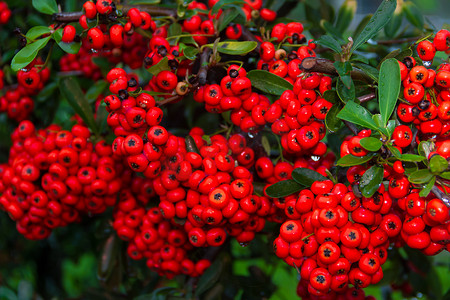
{"x": 367, "y": 98}
{"x": 68, "y": 17}
{"x": 441, "y": 195}
{"x": 352, "y": 127}
{"x": 399, "y": 41}
{"x": 322, "y": 65}
{"x": 204, "y": 61}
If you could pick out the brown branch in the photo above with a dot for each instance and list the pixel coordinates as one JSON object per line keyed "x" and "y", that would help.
{"x": 366, "y": 98}
{"x": 204, "y": 61}
{"x": 352, "y": 127}
{"x": 322, "y": 65}
{"x": 399, "y": 41}
{"x": 68, "y": 17}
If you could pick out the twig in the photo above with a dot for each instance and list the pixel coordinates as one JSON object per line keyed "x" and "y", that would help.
{"x": 352, "y": 127}
{"x": 203, "y": 71}
{"x": 366, "y": 98}
{"x": 399, "y": 41}
{"x": 441, "y": 195}
{"x": 68, "y": 17}
{"x": 322, "y": 65}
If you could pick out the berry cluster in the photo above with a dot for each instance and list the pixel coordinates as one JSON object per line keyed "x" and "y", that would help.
{"x": 53, "y": 176}
{"x": 17, "y": 101}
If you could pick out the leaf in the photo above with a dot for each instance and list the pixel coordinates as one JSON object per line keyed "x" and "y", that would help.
{"x": 306, "y": 177}
{"x": 371, "y": 143}
{"x": 331, "y": 30}
{"x": 371, "y": 181}
{"x": 344, "y": 69}
{"x": 48, "y": 7}
{"x": 268, "y": 82}
{"x": 174, "y": 29}
{"x": 95, "y": 90}
{"x": 425, "y": 148}
{"x": 350, "y": 160}
{"x": 388, "y": 88}
{"x": 362, "y": 24}
{"x": 26, "y": 55}
{"x": 227, "y": 17}
{"x": 332, "y": 122}
{"x": 394, "y": 24}
{"x": 420, "y": 176}
{"x": 411, "y": 157}
{"x": 283, "y": 188}
{"x": 427, "y": 188}
{"x": 378, "y": 21}
{"x": 108, "y": 259}
{"x": 368, "y": 69}
{"x": 37, "y": 31}
{"x": 345, "y": 15}
{"x": 265, "y": 144}
{"x": 357, "y": 114}
{"x": 222, "y": 3}
{"x": 163, "y": 65}
{"x": 210, "y": 277}
{"x": 394, "y": 151}
{"x": 445, "y": 175}
{"x": 390, "y": 128}
{"x": 345, "y": 94}
{"x": 190, "y": 52}
{"x": 329, "y": 42}
{"x": 413, "y": 15}
{"x": 71, "y": 90}
{"x": 71, "y": 48}
{"x": 331, "y": 96}
{"x": 235, "y": 48}
{"x": 438, "y": 164}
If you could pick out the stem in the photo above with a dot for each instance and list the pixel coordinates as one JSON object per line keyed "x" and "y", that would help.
{"x": 352, "y": 127}
{"x": 68, "y": 17}
{"x": 399, "y": 41}
{"x": 367, "y": 98}
{"x": 203, "y": 71}
{"x": 322, "y": 65}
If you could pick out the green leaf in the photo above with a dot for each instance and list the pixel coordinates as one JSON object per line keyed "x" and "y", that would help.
{"x": 390, "y": 128}
{"x": 427, "y": 188}
{"x": 420, "y": 176}
{"x": 210, "y": 277}
{"x": 71, "y": 90}
{"x": 445, "y": 175}
{"x": 411, "y": 157}
{"x": 190, "y": 52}
{"x": 350, "y": 160}
{"x": 378, "y": 21}
{"x": 362, "y": 24}
{"x": 438, "y": 164}
{"x": 371, "y": 143}
{"x": 368, "y": 70}
{"x": 344, "y": 69}
{"x": 235, "y": 48}
{"x": 330, "y": 42}
{"x": 174, "y": 29}
{"x": 388, "y": 88}
{"x": 394, "y": 151}
{"x": 345, "y": 15}
{"x": 227, "y": 17}
{"x": 265, "y": 144}
{"x": 425, "y": 148}
{"x": 331, "y": 30}
{"x": 357, "y": 114}
{"x": 331, "y": 96}
{"x": 48, "y": 7}
{"x": 163, "y": 65}
{"x": 222, "y": 3}
{"x": 95, "y": 90}
{"x": 344, "y": 93}
{"x": 26, "y": 55}
{"x": 283, "y": 188}
{"x": 71, "y": 48}
{"x": 268, "y": 82}
{"x": 371, "y": 181}
{"x": 306, "y": 177}
{"x": 332, "y": 122}
{"x": 393, "y": 25}
{"x": 37, "y": 31}
{"x": 413, "y": 15}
